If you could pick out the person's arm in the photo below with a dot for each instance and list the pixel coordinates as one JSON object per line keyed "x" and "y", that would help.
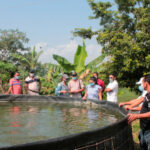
{"x": 135, "y": 103}
{"x": 108, "y": 90}
{"x": 81, "y": 87}
{"x": 136, "y": 108}
{"x": 100, "y": 95}
{"x": 127, "y": 103}
{"x": 9, "y": 90}
{"x": 78, "y": 91}
{"x": 85, "y": 96}
{"x": 132, "y": 117}
{"x": 10, "y": 87}
{"x": 26, "y": 88}
{"x": 39, "y": 86}
{"x": 111, "y": 87}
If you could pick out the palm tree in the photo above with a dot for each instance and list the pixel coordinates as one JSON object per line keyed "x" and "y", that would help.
{"x": 30, "y": 59}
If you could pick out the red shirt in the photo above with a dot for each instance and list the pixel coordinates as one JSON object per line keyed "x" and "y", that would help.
{"x": 16, "y": 86}
{"x": 101, "y": 83}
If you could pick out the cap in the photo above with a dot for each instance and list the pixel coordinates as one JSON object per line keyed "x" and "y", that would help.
{"x": 32, "y": 71}
{"x": 65, "y": 76}
{"x": 140, "y": 81}
{"x": 74, "y": 73}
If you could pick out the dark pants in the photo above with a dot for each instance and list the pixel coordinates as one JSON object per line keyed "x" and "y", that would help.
{"x": 144, "y": 138}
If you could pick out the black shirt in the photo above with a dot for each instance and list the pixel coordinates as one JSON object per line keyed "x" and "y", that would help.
{"x": 145, "y": 122}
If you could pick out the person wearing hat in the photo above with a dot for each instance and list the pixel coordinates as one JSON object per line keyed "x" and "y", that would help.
{"x": 135, "y": 104}
{"x": 75, "y": 86}
{"x": 143, "y": 116}
{"x": 62, "y": 88}
{"x": 32, "y": 84}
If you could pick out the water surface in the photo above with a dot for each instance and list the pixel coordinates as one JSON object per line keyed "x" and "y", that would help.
{"x": 23, "y": 122}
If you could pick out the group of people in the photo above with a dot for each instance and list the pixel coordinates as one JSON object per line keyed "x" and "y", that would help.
{"x": 94, "y": 90}
{"x": 32, "y": 84}
{"x": 142, "y": 104}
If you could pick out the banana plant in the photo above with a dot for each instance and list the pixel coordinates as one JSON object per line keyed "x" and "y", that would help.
{"x": 31, "y": 59}
{"x": 79, "y": 61}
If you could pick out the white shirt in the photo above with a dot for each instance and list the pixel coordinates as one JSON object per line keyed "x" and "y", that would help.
{"x": 112, "y": 96}
{"x": 143, "y": 95}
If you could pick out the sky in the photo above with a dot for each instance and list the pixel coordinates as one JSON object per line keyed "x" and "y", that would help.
{"x": 48, "y": 24}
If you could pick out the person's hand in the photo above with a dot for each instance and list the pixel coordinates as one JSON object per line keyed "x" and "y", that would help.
{"x": 132, "y": 117}
{"x": 74, "y": 92}
{"x": 84, "y": 98}
{"x": 71, "y": 92}
{"x": 121, "y": 104}
{"x": 64, "y": 91}
{"x": 128, "y": 107}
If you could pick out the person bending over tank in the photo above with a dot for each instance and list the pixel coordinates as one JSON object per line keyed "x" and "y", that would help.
{"x": 62, "y": 88}
{"x": 144, "y": 117}
{"x": 93, "y": 91}
{"x": 135, "y": 104}
{"x": 15, "y": 87}
{"x": 75, "y": 86}
{"x": 32, "y": 84}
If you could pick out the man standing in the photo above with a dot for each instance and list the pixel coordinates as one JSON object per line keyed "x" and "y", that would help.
{"x": 144, "y": 117}
{"x": 75, "y": 86}
{"x": 112, "y": 89}
{"x": 32, "y": 84}
{"x": 15, "y": 85}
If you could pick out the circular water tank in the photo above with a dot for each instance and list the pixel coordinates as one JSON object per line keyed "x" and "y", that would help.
{"x": 117, "y": 136}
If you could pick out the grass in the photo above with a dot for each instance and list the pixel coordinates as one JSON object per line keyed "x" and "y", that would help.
{"x": 126, "y": 95}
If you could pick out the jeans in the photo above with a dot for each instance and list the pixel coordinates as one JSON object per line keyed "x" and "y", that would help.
{"x": 144, "y": 138}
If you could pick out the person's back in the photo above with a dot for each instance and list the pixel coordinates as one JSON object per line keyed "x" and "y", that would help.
{"x": 101, "y": 83}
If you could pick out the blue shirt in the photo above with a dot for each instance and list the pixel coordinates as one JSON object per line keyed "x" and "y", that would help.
{"x": 93, "y": 92}
{"x": 61, "y": 87}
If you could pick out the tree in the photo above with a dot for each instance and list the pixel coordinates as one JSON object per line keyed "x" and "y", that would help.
{"x": 29, "y": 59}
{"x": 12, "y": 42}
{"x": 79, "y": 61}
{"x": 125, "y": 36}
{"x": 6, "y": 72}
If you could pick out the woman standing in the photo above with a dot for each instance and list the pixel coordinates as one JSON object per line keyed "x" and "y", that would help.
{"x": 93, "y": 91}
{"x": 62, "y": 88}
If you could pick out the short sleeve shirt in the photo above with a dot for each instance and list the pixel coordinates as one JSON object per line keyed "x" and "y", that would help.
{"x": 16, "y": 86}
{"x": 61, "y": 87}
{"x": 33, "y": 83}
{"x": 145, "y": 122}
{"x": 93, "y": 92}
{"x": 75, "y": 85}
{"x": 112, "y": 96}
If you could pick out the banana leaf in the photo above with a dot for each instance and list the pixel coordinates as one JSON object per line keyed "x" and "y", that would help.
{"x": 80, "y": 57}
{"x": 64, "y": 63}
{"x": 94, "y": 63}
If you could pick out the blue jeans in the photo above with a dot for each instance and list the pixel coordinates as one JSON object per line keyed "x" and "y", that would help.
{"x": 144, "y": 140}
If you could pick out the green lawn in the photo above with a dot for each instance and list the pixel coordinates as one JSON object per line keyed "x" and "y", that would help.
{"x": 126, "y": 95}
